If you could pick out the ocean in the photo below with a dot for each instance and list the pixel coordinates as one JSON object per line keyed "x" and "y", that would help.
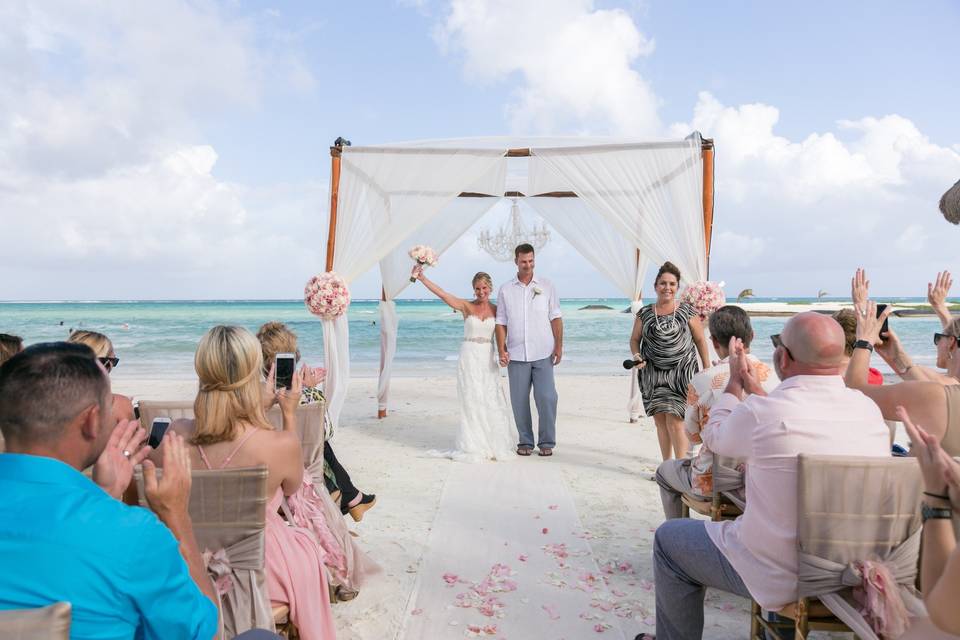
{"x": 157, "y": 339}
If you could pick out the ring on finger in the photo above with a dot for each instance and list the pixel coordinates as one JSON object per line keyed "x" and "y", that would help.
{"x": 126, "y": 454}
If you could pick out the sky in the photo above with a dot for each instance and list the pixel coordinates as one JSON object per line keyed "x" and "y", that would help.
{"x": 179, "y": 150}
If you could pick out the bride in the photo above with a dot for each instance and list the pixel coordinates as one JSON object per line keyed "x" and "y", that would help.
{"x": 485, "y": 431}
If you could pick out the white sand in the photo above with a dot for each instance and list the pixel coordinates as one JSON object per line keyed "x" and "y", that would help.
{"x": 604, "y": 461}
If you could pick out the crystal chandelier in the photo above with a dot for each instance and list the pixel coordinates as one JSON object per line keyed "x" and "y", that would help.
{"x": 500, "y": 245}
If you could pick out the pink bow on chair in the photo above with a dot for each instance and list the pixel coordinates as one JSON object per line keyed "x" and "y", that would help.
{"x": 879, "y": 598}
{"x": 218, "y": 565}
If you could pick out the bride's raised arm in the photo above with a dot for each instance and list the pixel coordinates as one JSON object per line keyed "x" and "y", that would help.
{"x": 457, "y": 303}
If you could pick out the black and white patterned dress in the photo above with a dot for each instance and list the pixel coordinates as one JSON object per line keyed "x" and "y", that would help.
{"x": 671, "y": 357}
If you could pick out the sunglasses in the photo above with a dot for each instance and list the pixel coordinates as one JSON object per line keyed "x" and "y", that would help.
{"x": 109, "y": 363}
{"x": 938, "y": 336}
{"x": 777, "y": 342}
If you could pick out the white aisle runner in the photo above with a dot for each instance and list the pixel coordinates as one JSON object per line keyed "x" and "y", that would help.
{"x": 507, "y": 558}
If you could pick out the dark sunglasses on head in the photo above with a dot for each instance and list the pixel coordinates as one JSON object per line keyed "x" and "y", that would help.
{"x": 938, "y": 336}
{"x": 777, "y": 342}
{"x": 109, "y": 363}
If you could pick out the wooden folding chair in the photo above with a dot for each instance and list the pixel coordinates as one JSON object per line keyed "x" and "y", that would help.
{"x": 718, "y": 506}
{"x": 849, "y": 509}
{"x": 43, "y": 623}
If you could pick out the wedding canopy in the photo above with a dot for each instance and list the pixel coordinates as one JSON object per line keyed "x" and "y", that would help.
{"x": 621, "y": 203}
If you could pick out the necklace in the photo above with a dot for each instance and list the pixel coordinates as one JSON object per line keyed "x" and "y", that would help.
{"x": 662, "y": 326}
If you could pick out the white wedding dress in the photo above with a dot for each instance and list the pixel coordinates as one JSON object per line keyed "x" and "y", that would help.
{"x": 486, "y": 431}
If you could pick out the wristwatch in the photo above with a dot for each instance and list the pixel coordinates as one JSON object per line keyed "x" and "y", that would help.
{"x": 863, "y": 344}
{"x": 935, "y": 513}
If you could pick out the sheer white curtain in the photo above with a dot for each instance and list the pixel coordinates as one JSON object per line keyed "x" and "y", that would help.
{"x": 651, "y": 193}
{"x": 444, "y": 230}
{"x": 384, "y": 194}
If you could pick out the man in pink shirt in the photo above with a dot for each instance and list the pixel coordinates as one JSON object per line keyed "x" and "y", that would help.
{"x": 811, "y": 412}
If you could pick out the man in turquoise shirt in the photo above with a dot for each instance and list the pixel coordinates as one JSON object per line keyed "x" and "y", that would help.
{"x": 128, "y": 572}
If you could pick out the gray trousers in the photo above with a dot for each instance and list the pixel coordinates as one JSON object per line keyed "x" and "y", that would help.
{"x": 685, "y": 563}
{"x": 537, "y": 374}
{"x": 673, "y": 476}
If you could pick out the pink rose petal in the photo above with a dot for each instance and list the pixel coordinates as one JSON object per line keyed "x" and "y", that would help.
{"x": 545, "y": 531}
{"x": 551, "y": 611}
{"x": 416, "y": 612}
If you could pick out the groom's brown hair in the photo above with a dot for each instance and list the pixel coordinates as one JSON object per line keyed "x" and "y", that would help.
{"x": 522, "y": 248}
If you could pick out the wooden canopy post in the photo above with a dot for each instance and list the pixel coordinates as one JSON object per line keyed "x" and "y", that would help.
{"x": 707, "y": 147}
{"x": 382, "y": 413}
{"x": 335, "y": 152}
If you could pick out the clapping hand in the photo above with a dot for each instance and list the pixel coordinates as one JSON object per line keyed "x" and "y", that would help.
{"x": 312, "y": 376}
{"x": 124, "y": 451}
{"x": 941, "y": 473}
{"x": 169, "y": 495}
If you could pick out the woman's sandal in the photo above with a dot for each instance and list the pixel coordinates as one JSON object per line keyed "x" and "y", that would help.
{"x": 356, "y": 511}
{"x": 644, "y": 636}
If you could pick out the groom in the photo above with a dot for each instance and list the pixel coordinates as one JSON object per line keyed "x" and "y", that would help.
{"x": 530, "y": 342}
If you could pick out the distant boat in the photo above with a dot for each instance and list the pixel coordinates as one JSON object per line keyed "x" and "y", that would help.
{"x": 743, "y": 295}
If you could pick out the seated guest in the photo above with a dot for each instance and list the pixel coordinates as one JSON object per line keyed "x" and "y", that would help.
{"x": 695, "y": 475}
{"x": 847, "y": 319}
{"x": 811, "y": 411}
{"x": 931, "y": 403}
{"x": 126, "y": 571}
{"x": 9, "y": 346}
{"x": 276, "y": 337}
{"x": 103, "y": 348}
{"x": 940, "y": 560}
{"x": 230, "y": 430}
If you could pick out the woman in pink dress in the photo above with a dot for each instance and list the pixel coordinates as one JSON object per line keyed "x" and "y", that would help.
{"x": 230, "y": 430}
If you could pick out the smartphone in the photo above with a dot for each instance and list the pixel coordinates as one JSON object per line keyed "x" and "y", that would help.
{"x": 285, "y": 365}
{"x": 157, "y": 430}
{"x": 886, "y": 324}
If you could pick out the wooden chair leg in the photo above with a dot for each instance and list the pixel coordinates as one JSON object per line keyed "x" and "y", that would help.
{"x": 755, "y": 627}
{"x": 802, "y": 625}
{"x": 716, "y": 509}
{"x": 684, "y": 510}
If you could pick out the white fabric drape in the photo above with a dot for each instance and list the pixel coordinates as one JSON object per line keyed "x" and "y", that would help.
{"x": 442, "y": 232}
{"x": 651, "y": 193}
{"x": 388, "y": 348}
{"x": 385, "y": 194}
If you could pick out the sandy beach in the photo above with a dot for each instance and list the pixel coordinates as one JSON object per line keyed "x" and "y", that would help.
{"x": 604, "y": 462}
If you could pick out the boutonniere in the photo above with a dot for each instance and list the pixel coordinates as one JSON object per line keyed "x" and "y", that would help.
{"x": 537, "y": 291}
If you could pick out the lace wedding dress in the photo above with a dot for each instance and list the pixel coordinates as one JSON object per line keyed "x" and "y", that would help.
{"x": 486, "y": 432}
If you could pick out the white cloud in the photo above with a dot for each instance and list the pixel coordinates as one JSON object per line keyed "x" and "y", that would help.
{"x": 740, "y": 250}
{"x": 912, "y": 239}
{"x": 572, "y": 62}
{"x": 103, "y": 169}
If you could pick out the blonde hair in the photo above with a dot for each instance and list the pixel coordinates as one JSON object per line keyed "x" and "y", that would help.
{"x": 484, "y": 277}
{"x": 953, "y": 329}
{"x": 100, "y": 343}
{"x": 276, "y": 337}
{"x": 10, "y": 346}
{"x": 228, "y": 363}
{"x": 847, "y": 319}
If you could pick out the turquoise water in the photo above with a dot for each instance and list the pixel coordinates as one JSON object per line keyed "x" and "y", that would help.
{"x": 157, "y": 339}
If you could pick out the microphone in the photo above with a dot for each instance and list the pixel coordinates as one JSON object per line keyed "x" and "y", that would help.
{"x": 631, "y": 363}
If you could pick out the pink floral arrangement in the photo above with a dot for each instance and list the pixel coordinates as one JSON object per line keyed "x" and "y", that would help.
{"x": 423, "y": 256}
{"x": 705, "y": 296}
{"x": 326, "y": 296}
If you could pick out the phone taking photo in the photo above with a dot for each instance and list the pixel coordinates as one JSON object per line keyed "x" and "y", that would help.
{"x": 157, "y": 430}
{"x": 285, "y": 364}
{"x": 885, "y": 328}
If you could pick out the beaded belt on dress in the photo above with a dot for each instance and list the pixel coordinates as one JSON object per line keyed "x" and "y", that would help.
{"x": 478, "y": 340}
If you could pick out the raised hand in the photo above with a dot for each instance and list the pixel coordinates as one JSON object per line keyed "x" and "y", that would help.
{"x": 169, "y": 495}
{"x": 859, "y": 288}
{"x": 312, "y": 376}
{"x": 938, "y": 290}
{"x": 868, "y": 324}
{"x": 416, "y": 272}
{"x": 125, "y": 449}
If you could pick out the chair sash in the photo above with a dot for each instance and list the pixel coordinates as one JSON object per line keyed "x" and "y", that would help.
{"x": 882, "y": 589}
{"x": 238, "y": 573}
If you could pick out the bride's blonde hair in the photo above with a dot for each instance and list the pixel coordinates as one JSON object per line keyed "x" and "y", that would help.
{"x": 484, "y": 277}
{"x": 228, "y": 362}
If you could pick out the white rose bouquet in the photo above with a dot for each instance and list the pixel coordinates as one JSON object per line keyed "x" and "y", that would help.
{"x": 423, "y": 256}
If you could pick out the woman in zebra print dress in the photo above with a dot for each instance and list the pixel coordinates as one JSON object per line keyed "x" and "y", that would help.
{"x": 667, "y": 337}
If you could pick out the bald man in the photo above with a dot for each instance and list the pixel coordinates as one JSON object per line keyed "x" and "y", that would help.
{"x": 811, "y": 412}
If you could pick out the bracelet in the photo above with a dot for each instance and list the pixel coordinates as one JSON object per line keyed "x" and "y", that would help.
{"x": 936, "y": 495}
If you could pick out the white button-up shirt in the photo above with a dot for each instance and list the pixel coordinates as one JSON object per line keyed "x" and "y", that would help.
{"x": 805, "y": 414}
{"x": 526, "y": 310}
